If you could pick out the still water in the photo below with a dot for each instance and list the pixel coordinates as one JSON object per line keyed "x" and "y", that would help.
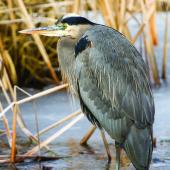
{"x": 56, "y": 106}
{"x": 92, "y": 157}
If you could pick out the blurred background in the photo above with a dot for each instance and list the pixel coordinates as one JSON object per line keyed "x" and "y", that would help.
{"x": 31, "y": 62}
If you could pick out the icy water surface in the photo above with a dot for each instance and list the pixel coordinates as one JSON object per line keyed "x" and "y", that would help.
{"x": 92, "y": 157}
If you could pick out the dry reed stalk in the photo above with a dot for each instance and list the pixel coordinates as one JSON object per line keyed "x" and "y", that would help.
{"x": 23, "y": 128}
{"x": 109, "y": 13}
{"x": 130, "y": 5}
{"x": 21, "y": 123}
{"x": 19, "y": 119}
{"x": 11, "y": 105}
{"x": 1, "y": 67}
{"x": 127, "y": 32}
{"x": 139, "y": 32}
{"x": 3, "y": 78}
{"x": 8, "y": 63}
{"x": 42, "y": 94}
{"x": 155, "y": 66}
{"x": 5, "y": 161}
{"x": 149, "y": 46}
{"x": 152, "y": 60}
{"x": 38, "y": 40}
{"x": 4, "y": 91}
{"x": 10, "y": 67}
{"x": 165, "y": 48}
{"x": 117, "y": 13}
{"x": 152, "y": 27}
{"x": 54, "y": 125}
{"x": 57, "y": 88}
{"x": 53, "y": 137}
{"x": 6, "y": 109}
{"x": 14, "y": 124}
{"x": 123, "y": 27}
{"x": 141, "y": 29}
{"x": 145, "y": 52}
{"x": 122, "y": 15}
{"x": 87, "y": 136}
{"x": 76, "y": 8}
{"x": 153, "y": 30}
{"x": 13, "y": 27}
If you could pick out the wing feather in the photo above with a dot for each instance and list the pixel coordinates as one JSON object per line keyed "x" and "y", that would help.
{"x": 121, "y": 74}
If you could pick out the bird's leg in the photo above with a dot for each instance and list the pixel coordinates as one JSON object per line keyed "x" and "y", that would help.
{"x": 106, "y": 146}
{"x": 88, "y": 135}
{"x": 118, "y": 150}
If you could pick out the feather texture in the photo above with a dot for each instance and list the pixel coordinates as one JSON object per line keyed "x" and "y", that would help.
{"x": 114, "y": 85}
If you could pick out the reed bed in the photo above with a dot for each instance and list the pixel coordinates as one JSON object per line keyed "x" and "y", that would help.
{"x": 32, "y": 61}
{"x": 26, "y": 61}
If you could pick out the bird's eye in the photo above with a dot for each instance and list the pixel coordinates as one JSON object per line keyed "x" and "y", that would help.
{"x": 62, "y": 26}
{"x": 65, "y": 25}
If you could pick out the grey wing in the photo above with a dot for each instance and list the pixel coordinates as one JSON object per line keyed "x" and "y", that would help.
{"x": 117, "y": 74}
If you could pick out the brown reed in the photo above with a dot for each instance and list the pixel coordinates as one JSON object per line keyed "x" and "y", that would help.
{"x": 20, "y": 52}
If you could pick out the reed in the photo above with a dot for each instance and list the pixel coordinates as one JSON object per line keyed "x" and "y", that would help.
{"x": 15, "y": 108}
{"x": 88, "y": 135}
{"x": 165, "y": 47}
{"x": 20, "y": 52}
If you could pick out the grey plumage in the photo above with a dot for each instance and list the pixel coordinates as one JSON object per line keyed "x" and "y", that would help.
{"x": 120, "y": 80}
{"x": 111, "y": 80}
{"x": 114, "y": 90}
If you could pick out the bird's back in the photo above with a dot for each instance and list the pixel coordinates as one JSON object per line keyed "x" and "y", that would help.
{"x": 114, "y": 90}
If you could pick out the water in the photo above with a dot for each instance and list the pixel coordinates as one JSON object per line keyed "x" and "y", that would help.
{"x": 57, "y": 105}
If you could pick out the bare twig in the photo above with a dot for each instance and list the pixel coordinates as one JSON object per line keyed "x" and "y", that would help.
{"x": 33, "y": 97}
{"x": 54, "y": 136}
{"x": 88, "y": 135}
{"x": 70, "y": 116}
{"x": 165, "y": 48}
{"x": 14, "y": 124}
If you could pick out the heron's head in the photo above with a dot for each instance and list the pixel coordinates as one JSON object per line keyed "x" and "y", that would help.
{"x": 69, "y": 25}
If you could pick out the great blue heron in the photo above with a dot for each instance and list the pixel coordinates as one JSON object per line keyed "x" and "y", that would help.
{"x": 111, "y": 79}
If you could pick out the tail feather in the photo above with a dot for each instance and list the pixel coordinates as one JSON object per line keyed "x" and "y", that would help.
{"x": 138, "y": 147}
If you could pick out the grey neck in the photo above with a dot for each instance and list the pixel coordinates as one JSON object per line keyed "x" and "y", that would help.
{"x": 66, "y": 56}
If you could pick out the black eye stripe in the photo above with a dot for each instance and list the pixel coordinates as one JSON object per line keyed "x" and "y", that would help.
{"x": 76, "y": 21}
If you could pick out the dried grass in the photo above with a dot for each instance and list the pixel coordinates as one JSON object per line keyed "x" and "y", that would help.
{"x": 37, "y": 60}
{"x": 19, "y": 51}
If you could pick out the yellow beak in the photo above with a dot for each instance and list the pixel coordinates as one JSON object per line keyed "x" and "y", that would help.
{"x": 55, "y": 30}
